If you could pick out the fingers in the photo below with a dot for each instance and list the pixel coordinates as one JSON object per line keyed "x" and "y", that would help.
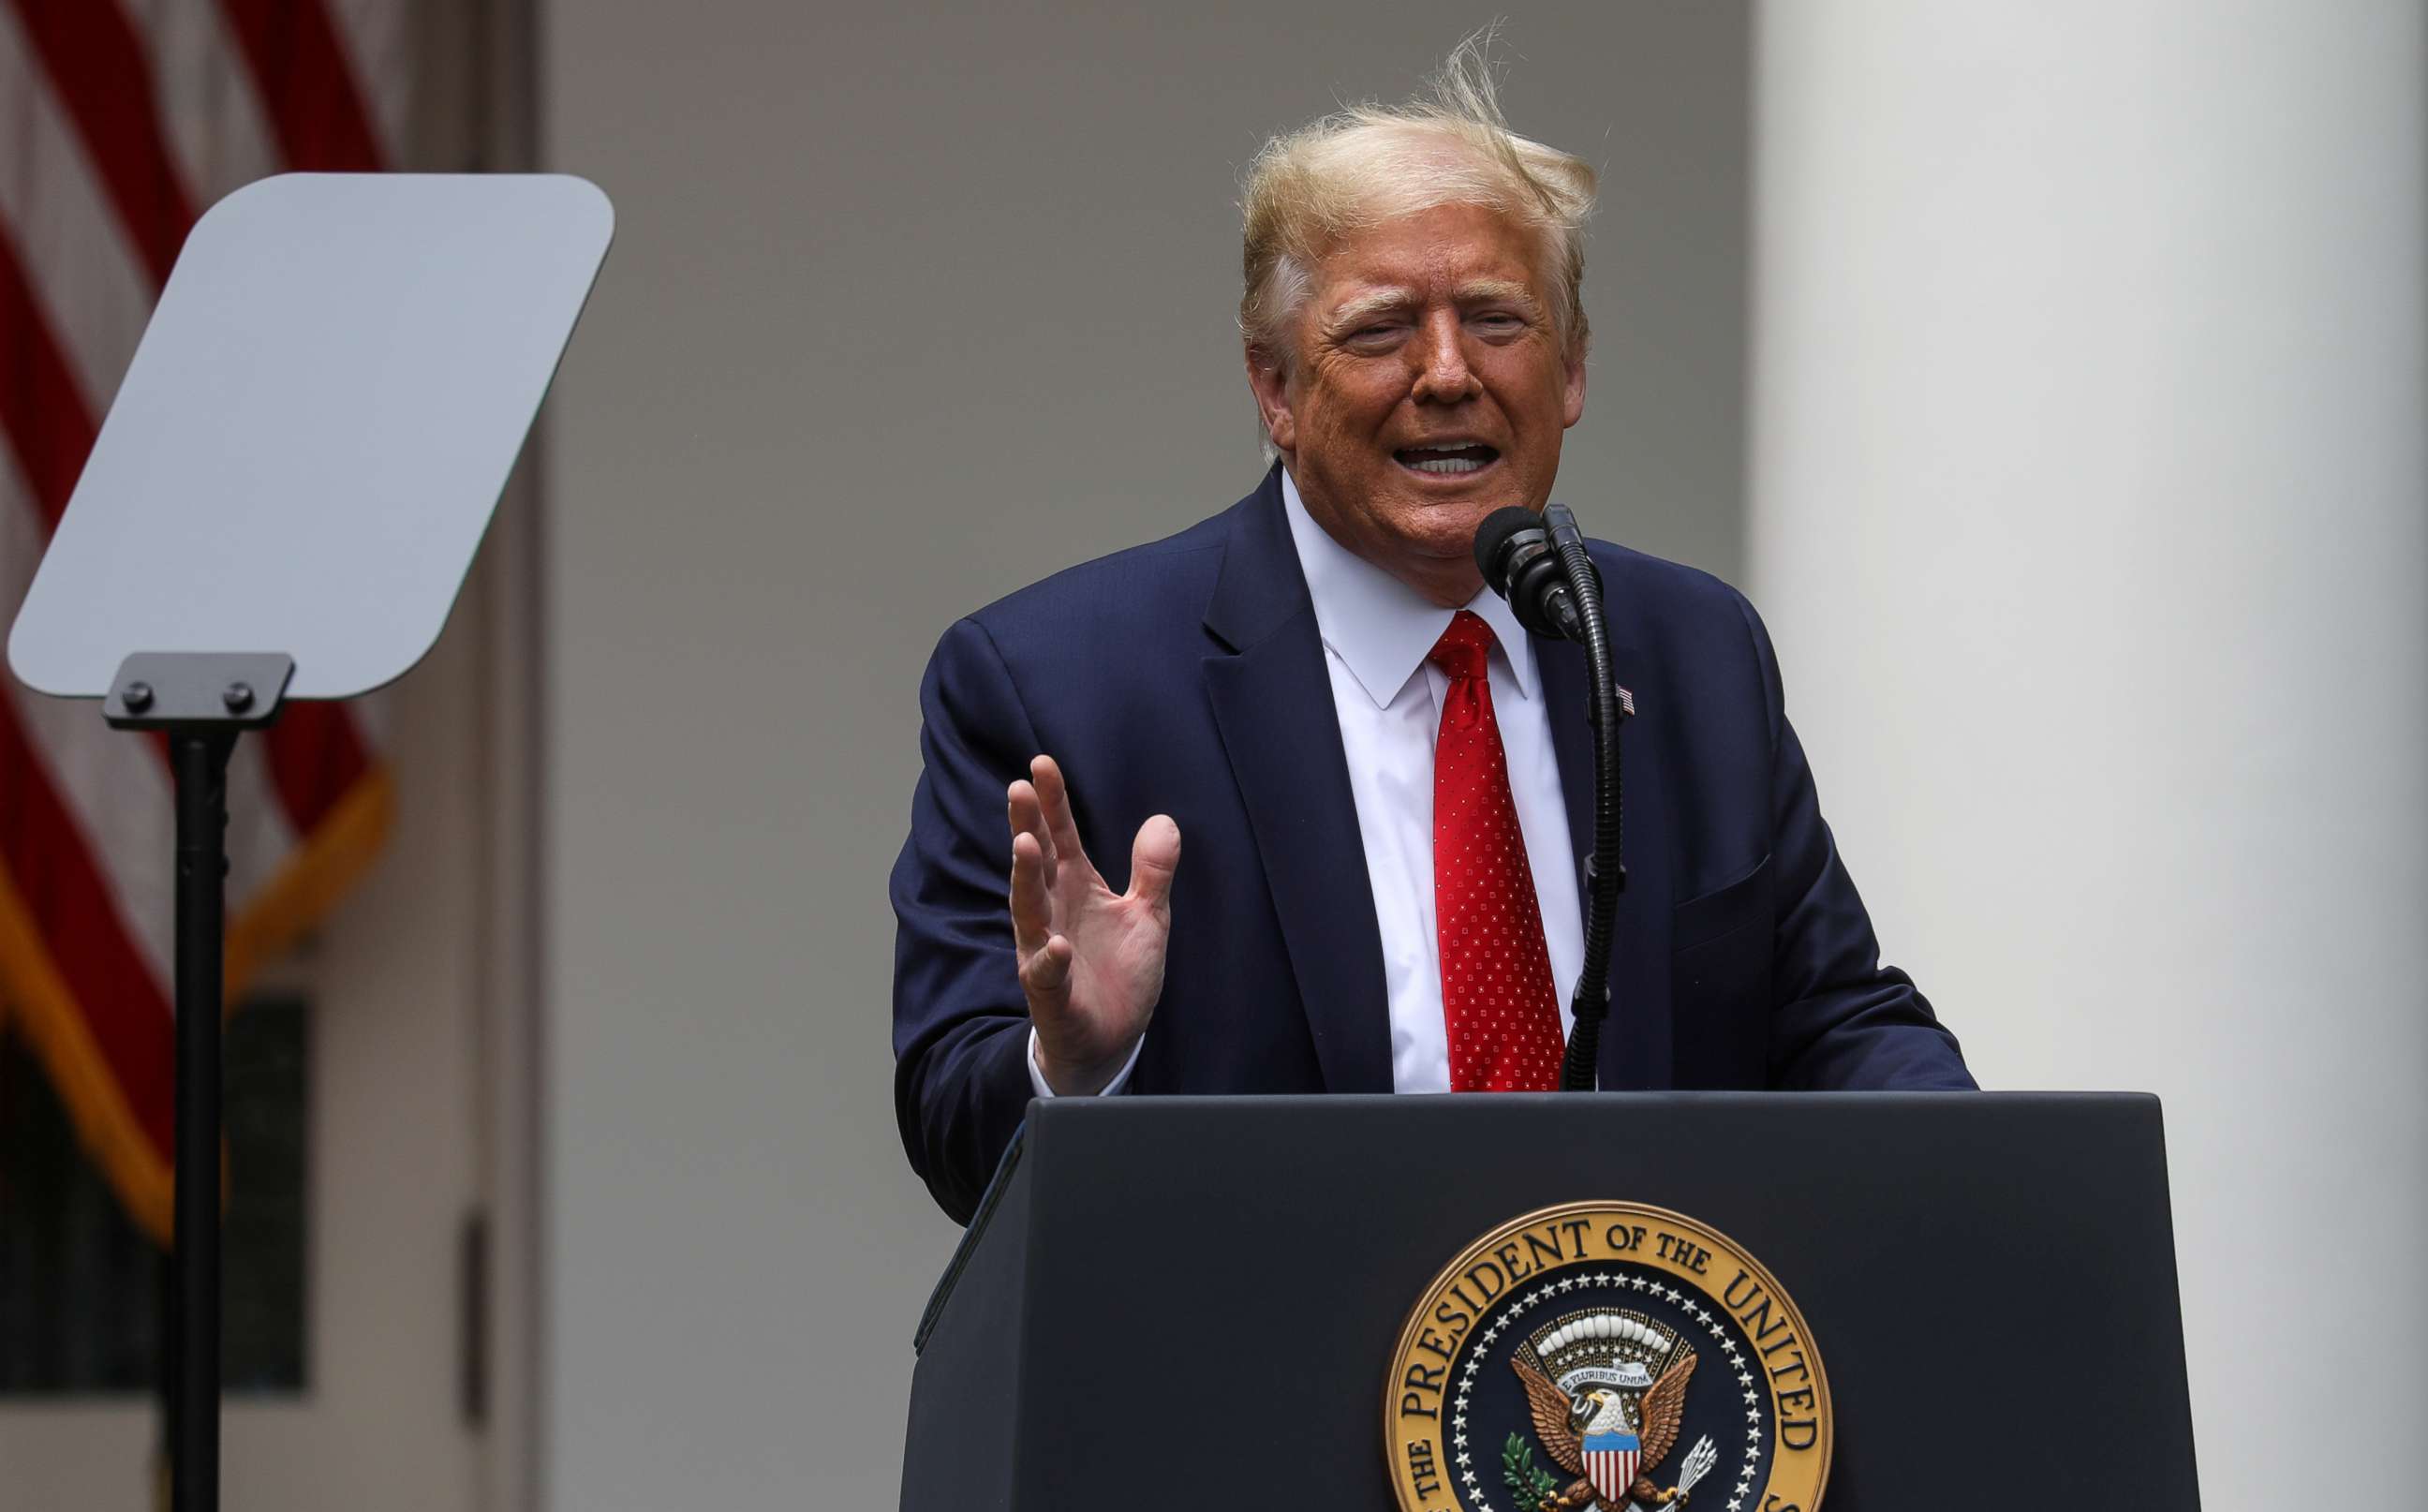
{"x": 1032, "y": 907}
{"x": 1028, "y": 816}
{"x": 1155, "y": 855}
{"x": 1053, "y": 798}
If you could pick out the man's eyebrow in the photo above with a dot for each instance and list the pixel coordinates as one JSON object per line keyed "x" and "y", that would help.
{"x": 1357, "y": 311}
{"x": 1502, "y": 290}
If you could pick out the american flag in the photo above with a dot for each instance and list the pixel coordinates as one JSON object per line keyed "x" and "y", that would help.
{"x": 120, "y": 122}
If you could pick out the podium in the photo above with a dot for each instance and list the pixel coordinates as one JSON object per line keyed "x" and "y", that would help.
{"x": 1206, "y": 1302}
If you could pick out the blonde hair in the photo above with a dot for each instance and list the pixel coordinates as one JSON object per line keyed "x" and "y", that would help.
{"x": 1368, "y": 164}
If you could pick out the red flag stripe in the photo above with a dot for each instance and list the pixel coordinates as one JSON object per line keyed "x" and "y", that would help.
{"x": 307, "y": 82}
{"x": 48, "y": 860}
{"x": 316, "y": 756}
{"x": 99, "y": 70}
{"x": 41, "y": 409}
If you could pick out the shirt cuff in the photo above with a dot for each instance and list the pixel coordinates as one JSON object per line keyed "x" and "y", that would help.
{"x": 1121, "y": 1078}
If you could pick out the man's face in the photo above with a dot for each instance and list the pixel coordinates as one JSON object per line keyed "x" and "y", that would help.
{"x": 1426, "y": 387}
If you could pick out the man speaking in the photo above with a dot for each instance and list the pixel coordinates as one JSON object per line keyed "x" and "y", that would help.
{"x": 1354, "y": 795}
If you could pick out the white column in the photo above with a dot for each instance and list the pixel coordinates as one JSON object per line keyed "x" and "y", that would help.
{"x": 2089, "y": 510}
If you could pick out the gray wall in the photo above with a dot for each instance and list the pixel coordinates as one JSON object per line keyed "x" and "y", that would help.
{"x": 951, "y": 284}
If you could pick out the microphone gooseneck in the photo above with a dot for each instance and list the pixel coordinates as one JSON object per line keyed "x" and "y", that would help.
{"x": 1606, "y": 868}
{"x": 1539, "y": 564}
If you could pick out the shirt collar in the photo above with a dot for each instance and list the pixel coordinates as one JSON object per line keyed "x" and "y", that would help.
{"x": 1379, "y": 627}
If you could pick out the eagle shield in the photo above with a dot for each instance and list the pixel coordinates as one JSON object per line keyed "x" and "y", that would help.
{"x": 1610, "y": 1464}
{"x": 1606, "y": 1389}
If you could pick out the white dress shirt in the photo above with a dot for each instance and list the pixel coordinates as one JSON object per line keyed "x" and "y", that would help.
{"x": 1387, "y": 696}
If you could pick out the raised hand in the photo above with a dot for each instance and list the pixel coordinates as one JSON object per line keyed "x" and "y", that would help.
{"x": 1091, "y": 959}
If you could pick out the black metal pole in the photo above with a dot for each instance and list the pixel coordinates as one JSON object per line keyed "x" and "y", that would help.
{"x": 199, "y": 757}
{"x": 1605, "y": 866}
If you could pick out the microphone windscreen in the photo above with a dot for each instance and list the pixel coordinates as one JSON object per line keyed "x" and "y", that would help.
{"x": 1493, "y": 534}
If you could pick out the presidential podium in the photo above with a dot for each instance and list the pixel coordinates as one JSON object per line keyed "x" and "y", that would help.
{"x": 1919, "y": 1303}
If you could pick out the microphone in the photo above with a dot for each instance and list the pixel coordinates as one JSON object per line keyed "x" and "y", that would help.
{"x": 1516, "y": 551}
{"x": 1540, "y": 565}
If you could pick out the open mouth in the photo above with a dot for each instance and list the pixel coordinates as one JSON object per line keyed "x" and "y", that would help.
{"x": 1446, "y": 461}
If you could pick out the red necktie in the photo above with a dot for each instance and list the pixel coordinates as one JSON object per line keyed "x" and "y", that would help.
{"x": 1498, "y": 1001}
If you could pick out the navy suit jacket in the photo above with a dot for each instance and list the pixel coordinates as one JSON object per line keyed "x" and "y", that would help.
{"x": 1188, "y": 677}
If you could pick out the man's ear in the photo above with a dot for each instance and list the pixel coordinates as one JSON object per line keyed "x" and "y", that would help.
{"x": 1270, "y": 385}
{"x": 1573, "y": 394}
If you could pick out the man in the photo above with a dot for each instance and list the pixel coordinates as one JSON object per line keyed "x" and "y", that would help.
{"x": 1381, "y": 785}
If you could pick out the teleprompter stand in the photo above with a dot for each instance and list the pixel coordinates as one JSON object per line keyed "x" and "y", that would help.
{"x": 283, "y": 502}
{"x": 202, "y": 701}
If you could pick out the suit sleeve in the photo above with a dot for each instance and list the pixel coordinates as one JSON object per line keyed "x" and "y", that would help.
{"x": 1840, "y": 1019}
{"x": 960, "y": 1023}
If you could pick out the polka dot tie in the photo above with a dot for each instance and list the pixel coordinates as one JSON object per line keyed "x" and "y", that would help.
{"x": 1498, "y": 1001}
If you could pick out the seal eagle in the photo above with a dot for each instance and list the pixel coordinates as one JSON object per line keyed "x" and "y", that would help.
{"x": 1563, "y": 1425}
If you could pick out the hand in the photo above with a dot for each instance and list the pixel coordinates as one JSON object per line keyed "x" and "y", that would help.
{"x": 1091, "y": 962}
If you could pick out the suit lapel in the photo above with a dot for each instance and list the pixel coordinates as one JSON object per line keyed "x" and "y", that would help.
{"x": 1636, "y": 1042}
{"x": 1272, "y": 699}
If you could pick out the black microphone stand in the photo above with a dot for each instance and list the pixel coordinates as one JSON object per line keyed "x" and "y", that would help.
{"x": 1606, "y": 866}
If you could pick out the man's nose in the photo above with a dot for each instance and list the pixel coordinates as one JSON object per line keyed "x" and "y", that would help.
{"x": 1440, "y": 352}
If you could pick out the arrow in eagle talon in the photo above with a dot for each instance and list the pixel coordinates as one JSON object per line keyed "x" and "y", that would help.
{"x": 1699, "y": 1461}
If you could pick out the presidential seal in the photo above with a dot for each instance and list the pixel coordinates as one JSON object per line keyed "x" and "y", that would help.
{"x": 1606, "y": 1356}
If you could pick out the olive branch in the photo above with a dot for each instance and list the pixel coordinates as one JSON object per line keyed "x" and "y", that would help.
{"x": 1528, "y": 1482}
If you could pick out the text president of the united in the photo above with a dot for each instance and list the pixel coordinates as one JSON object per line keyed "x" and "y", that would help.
{"x": 1350, "y": 791}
